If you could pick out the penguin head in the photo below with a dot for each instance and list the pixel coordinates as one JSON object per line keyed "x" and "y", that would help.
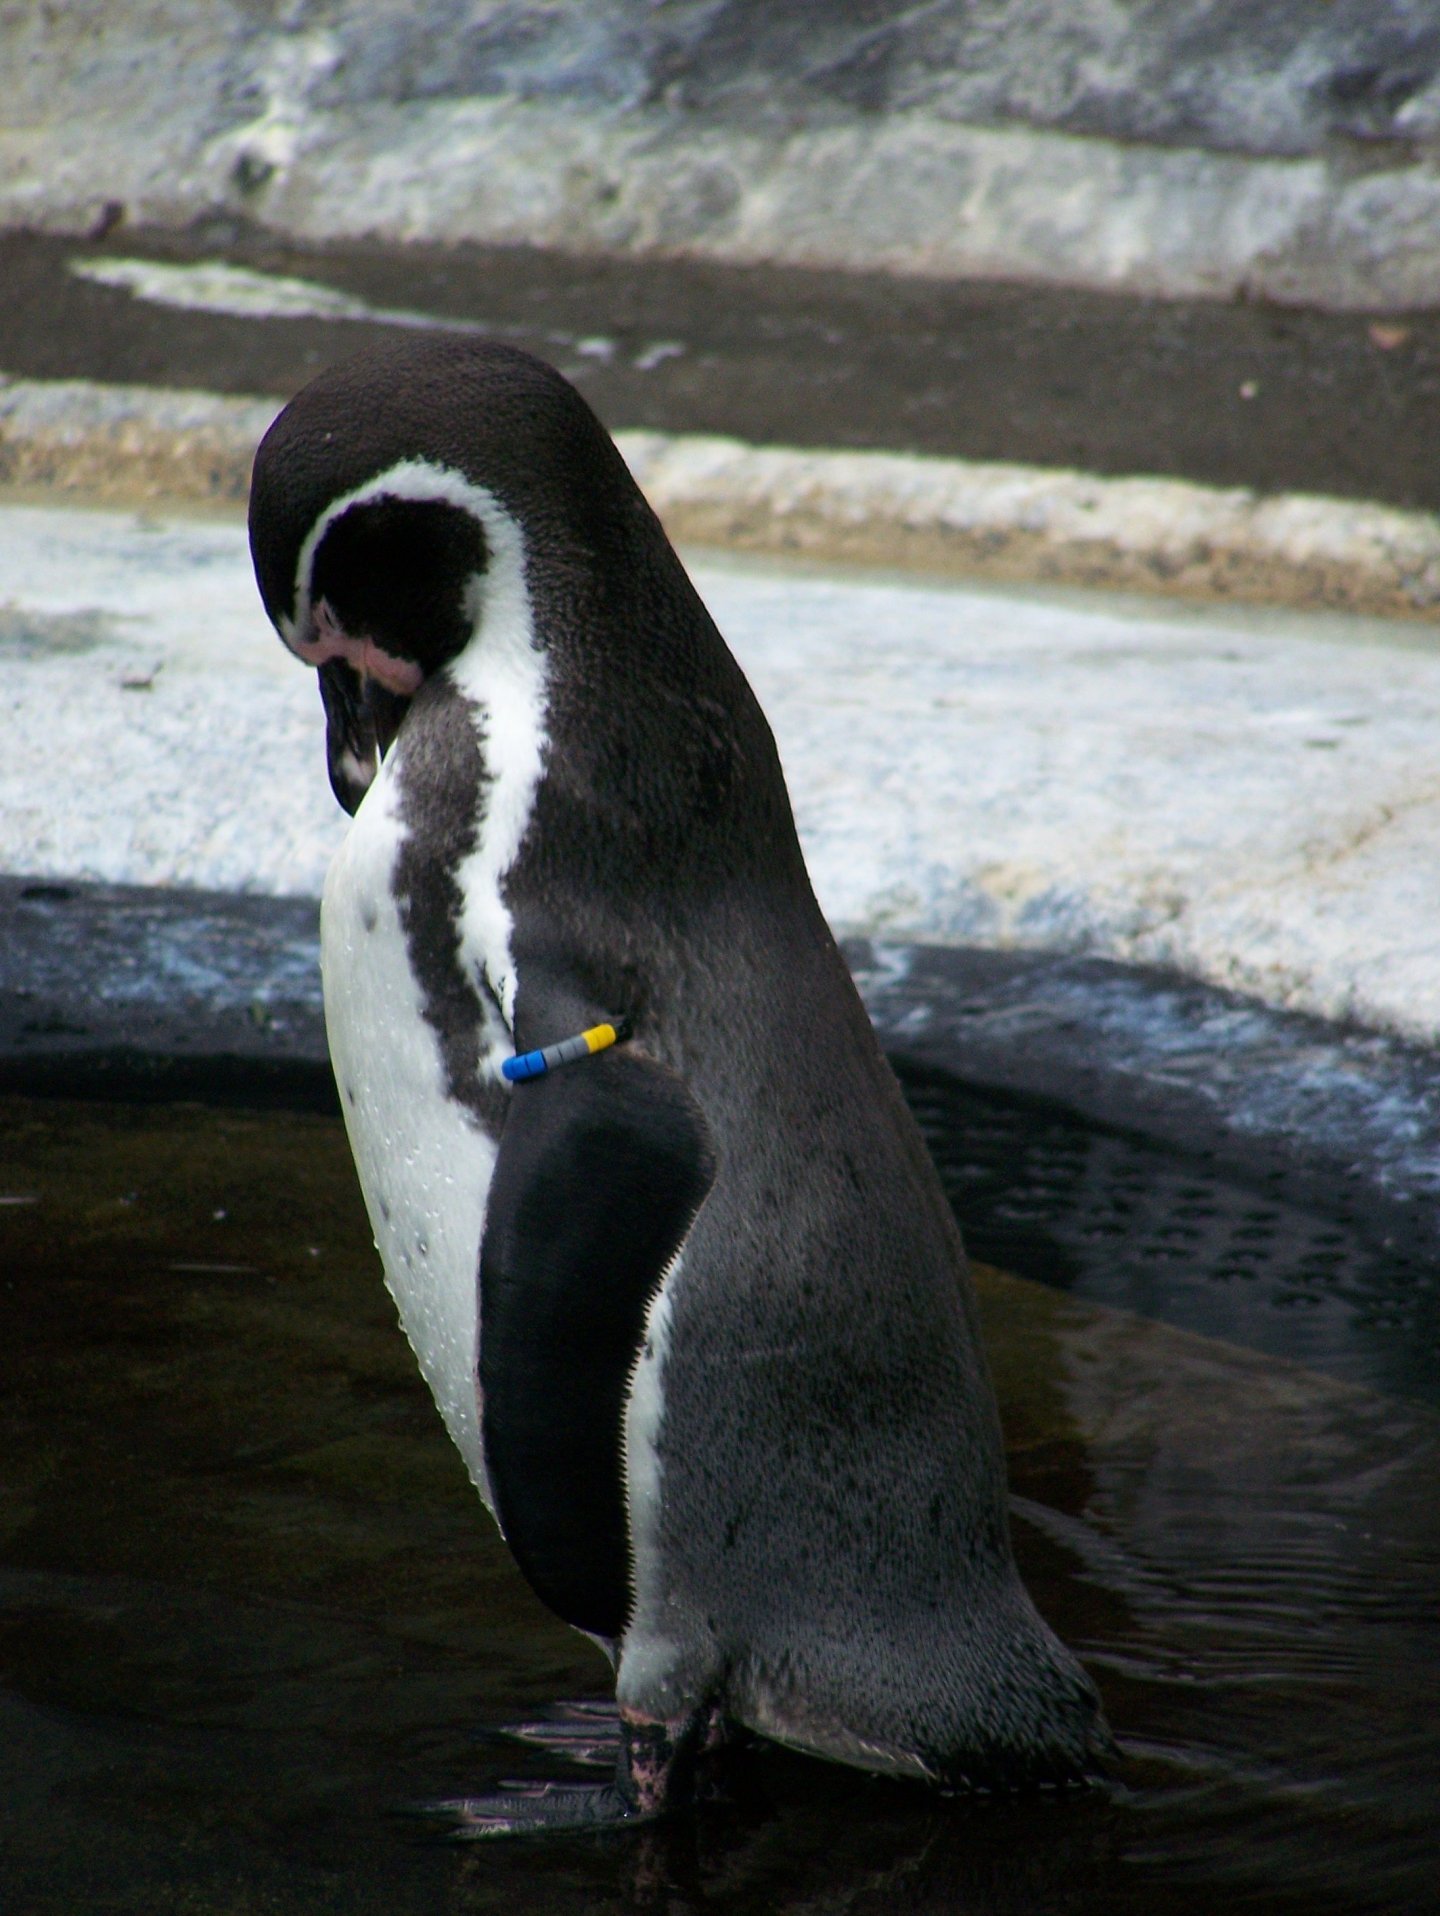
{"x": 422, "y": 505}
{"x": 386, "y": 508}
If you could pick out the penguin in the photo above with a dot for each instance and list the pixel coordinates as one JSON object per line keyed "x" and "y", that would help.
{"x": 689, "y": 1297}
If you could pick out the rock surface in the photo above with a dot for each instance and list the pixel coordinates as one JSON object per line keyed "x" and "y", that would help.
{"x": 1212, "y": 147}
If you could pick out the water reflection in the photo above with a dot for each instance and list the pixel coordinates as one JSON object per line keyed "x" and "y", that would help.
{"x": 1272, "y": 1540}
{"x": 248, "y": 1606}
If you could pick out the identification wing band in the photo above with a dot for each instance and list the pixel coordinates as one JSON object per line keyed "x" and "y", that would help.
{"x": 534, "y": 1064}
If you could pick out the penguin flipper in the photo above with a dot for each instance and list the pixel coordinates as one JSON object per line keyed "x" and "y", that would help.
{"x": 601, "y": 1169}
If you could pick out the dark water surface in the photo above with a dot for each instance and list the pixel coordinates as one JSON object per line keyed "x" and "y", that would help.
{"x": 249, "y": 1605}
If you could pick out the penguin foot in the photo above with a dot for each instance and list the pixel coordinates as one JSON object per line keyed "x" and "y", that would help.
{"x": 660, "y": 1768}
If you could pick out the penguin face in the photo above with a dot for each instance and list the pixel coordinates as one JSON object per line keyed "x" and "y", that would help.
{"x": 386, "y": 594}
{"x": 388, "y": 588}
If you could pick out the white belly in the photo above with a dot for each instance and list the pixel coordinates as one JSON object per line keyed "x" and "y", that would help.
{"x": 424, "y": 1163}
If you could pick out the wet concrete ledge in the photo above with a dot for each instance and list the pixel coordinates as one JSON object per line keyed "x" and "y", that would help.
{"x": 130, "y": 445}
{"x": 146, "y": 994}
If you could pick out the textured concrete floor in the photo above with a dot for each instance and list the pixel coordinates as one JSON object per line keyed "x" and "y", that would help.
{"x": 1249, "y": 797}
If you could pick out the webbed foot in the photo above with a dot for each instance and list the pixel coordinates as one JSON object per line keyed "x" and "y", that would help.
{"x": 583, "y": 1732}
{"x": 535, "y": 1809}
{"x": 657, "y": 1771}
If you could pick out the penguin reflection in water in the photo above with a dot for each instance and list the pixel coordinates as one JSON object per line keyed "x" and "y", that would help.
{"x": 691, "y": 1302}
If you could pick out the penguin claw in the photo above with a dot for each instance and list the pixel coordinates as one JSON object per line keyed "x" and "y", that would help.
{"x": 537, "y": 1809}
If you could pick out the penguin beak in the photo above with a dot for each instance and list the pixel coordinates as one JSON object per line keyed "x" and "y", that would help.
{"x": 361, "y": 720}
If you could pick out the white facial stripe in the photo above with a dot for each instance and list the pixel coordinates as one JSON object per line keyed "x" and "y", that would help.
{"x": 415, "y": 479}
{"x": 500, "y": 672}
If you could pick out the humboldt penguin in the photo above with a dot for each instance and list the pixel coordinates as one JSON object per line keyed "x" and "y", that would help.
{"x": 660, "y": 1228}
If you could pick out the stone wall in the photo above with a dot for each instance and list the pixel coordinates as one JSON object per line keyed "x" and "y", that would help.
{"x": 1269, "y": 148}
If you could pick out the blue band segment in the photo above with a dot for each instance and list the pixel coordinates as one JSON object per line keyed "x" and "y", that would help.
{"x": 529, "y": 1064}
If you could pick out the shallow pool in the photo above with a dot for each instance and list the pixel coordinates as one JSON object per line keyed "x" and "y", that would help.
{"x": 250, "y": 1608}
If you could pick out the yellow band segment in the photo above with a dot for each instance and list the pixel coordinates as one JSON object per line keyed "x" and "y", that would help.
{"x": 600, "y": 1037}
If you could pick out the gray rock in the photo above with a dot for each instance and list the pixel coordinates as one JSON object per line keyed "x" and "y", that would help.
{"x": 1187, "y": 147}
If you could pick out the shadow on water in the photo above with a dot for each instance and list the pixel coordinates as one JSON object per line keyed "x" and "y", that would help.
{"x": 249, "y": 1606}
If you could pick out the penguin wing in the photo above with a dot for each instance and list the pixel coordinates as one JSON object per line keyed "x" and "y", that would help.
{"x": 601, "y": 1169}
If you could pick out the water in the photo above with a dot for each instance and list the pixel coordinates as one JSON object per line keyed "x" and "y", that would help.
{"x": 249, "y": 1607}
{"x": 1117, "y": 1219}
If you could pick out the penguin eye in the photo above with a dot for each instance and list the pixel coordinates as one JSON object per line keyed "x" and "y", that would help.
{"x": 399, "y": 571}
